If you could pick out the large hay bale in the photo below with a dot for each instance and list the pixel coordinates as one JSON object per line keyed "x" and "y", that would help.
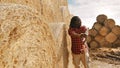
{"x": 25, "y": 39}
{"x": 58, "y": 31}
{"x": 31, "y": 3}
{"x": 49, "y": 9}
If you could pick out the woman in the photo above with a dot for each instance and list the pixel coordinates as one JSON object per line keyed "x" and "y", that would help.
{"x": 77, "y": 34}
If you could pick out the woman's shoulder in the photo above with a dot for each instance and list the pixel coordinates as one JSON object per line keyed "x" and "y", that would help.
{"x": 83, "y": 28}
{"x": 71, "y": 28}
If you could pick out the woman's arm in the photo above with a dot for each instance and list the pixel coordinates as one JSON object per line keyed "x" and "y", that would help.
{"x": 82, "y": 35}
{"x": 74, "y": 34}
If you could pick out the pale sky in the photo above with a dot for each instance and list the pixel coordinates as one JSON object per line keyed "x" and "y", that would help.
{"x": 88, "y": 10}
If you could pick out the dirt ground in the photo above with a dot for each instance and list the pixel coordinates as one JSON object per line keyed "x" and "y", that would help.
{"x": 105, "y": 58}
{"x": 102, "y": 58}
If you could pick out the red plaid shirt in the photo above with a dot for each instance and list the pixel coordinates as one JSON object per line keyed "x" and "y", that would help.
{"x": 76, "y": 41}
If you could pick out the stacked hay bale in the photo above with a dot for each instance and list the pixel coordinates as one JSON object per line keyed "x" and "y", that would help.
{"x": 104, "y": 33}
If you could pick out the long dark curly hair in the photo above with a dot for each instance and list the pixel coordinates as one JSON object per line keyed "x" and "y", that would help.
{"x": 75, "y": 22}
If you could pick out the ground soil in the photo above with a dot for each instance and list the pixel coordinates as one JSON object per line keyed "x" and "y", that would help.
{"x": 101, "y": 58}
{"x": 109, "y": 56}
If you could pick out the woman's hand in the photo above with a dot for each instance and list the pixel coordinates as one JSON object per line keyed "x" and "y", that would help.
{"x": 83, "y": 35}
{"x": 83, "y": 48}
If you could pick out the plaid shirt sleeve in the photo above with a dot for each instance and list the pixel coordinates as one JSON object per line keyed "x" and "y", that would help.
{"x": 83, "y": 29}
{"x": 70, "y": 31}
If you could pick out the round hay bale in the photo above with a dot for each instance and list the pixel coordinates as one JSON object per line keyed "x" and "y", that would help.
{"x": 102, "y": 42}
{"x": 99, "y": 38}
{"x": 110, "y": 23}
{"x": 116, "y": 43}
{"x": 89, "y": 39}
{"x": 111, "y": 37}
{"x": 93, "y": 44}
{"x": 116, "y": 30}
{"x": 101, "y": 19}
{"x": 26, "y": 41}
{"x": 104, "y": 31}
{"x": 93, "y": 32}
{"x": 97, "y": 26}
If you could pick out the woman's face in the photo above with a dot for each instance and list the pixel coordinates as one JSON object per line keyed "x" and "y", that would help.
{"x": 77, "y": 24}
